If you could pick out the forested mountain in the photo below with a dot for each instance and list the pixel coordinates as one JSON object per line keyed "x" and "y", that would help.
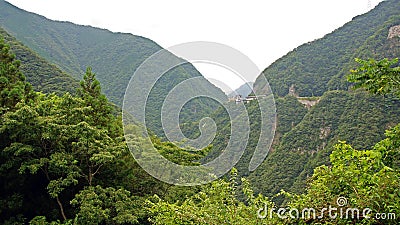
{"x": 354, "y": 117}
{"x": 114, "y": 58}
{"x": 41, "y": 74}
{"x": 311, "y": 66}
{"x": 341, "y": 114}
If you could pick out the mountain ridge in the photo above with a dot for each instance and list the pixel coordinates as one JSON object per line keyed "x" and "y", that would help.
{"x": 301, "y": 66}
{"x": 43, "y": 76}
{"x": 74, "y": 47}
{"x": 244, "y": 90}
{"x": 113, "y": 57}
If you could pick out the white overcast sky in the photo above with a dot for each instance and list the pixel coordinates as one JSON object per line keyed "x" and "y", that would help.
{"x": 262, "y": 30}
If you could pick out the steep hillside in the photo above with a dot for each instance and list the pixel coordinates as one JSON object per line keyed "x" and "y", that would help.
{"x": 319, "y": 68}
{"x": 289, "y": 110}
{"x": 43, "y": 76}
{"x": 311, "y": 66}
{"x": 382, "y": 44}
{"x": 355, "y": 117}
{"x": 114, "y": 58}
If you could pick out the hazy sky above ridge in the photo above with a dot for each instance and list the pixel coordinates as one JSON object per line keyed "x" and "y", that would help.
{"x": 262, "y": 30}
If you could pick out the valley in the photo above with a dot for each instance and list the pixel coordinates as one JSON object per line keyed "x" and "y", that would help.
{"x": 66, "y": 145}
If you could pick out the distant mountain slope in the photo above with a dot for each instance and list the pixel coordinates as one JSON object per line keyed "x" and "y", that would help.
{"x": 43, "y": 76}
{"x": 114, "y": 57}
{"x": 244, "y": 90}
{"x": 311, "y": 66}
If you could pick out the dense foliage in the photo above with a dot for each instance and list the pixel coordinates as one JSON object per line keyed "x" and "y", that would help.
{"x": 64, "y": 159}
{"x": 68, "y": 153}
{"x": 216, "y": 203}
{"x": 378, "y": 77}
{"x": 355, "y": 187}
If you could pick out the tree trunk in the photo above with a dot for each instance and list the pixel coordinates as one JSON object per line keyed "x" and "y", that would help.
{"x": 61, "y": 208}
{"x": 58, "y": 199}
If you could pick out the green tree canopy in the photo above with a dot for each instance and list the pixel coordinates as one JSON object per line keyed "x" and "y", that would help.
{"x": 13, "y": 87}
{"x": 377, "y": 77}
